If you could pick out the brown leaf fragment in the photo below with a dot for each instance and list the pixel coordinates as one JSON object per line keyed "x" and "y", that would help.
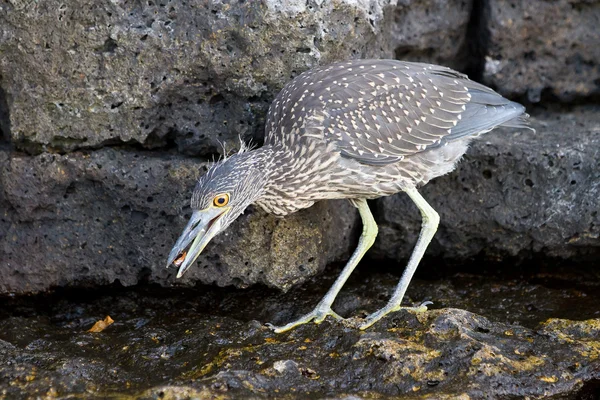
{"x": 102, "y": 324}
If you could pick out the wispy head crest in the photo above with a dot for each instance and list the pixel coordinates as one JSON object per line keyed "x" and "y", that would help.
{"x": 245, "y": 147}
{"x": 225, "y": 154}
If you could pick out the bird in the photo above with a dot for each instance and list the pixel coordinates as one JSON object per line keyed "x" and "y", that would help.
{"x": 356, "y": 130}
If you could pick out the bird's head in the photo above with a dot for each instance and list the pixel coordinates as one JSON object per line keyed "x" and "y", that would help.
{"x": 220, "y": 196}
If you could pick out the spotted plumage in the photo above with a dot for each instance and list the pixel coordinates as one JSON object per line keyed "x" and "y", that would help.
{"x": 366, "y": 129}
{"x": 354, "y": 130}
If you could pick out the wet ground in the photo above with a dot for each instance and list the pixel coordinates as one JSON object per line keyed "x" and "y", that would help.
{"x": 488, "y": 335}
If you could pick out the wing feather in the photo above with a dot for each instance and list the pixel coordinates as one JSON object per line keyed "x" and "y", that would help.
{"x": 380, "y": 111}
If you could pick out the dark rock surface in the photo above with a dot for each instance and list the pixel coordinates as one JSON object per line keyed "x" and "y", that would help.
{"x": 433, "y": 31}
{"x": 157, "y": 72}
{"x": 514, "y": 194}
{"x": 211, "y": 343}
{"x": 538, "y": 48}
{"x": 103, "y": 102}
{"x": 94, "y": 218}
{"x": 184, "y": 77}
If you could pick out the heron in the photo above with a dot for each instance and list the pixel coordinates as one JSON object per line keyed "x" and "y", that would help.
{"x": 355, "y": 130}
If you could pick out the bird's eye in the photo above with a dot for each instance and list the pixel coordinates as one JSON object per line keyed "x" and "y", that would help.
{"x": 221, "y": 200}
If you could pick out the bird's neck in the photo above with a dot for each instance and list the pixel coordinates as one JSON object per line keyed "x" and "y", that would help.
{"x": 287, "y": 185}
{"x": 270, "y": 163}
{"x": 261, "y": 162}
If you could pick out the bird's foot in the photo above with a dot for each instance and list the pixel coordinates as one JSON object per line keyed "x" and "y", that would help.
{"x": 317, "y": 316}
{"x": 376, "y": 316}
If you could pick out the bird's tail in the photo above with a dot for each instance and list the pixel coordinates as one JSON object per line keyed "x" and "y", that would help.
{"x": 520, "y": 122}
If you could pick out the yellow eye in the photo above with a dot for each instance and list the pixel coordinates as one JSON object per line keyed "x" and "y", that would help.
{"x": 221, "y": 200}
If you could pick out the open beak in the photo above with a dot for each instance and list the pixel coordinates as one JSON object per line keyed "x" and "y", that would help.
{"x": 203, "y": 226}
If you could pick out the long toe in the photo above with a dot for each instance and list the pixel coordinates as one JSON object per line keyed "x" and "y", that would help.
{"x": 317, "y": 316}
{"x": 376, "y": 316}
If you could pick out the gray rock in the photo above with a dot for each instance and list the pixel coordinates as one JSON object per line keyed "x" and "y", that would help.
{"x": 433, "y": 31}
{"x": 159, "y": 73}
{"x": 543, "y": 46}
{"x": 93, "y": 218}
{"x": 109, "y": 215}
{"x": 514, "y": 194}
{"x": 78, "y": 78}
{"x": 192, "y": 75}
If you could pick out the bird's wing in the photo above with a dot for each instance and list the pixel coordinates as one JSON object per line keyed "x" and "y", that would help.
{"x": 379, "y": 112}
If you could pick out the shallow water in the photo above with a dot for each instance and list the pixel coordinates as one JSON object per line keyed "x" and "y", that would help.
{"x": 168, "y": 336}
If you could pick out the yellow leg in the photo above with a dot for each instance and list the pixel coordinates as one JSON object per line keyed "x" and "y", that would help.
{"x": 429, "y": 226}
{"x": 323, "y": 309}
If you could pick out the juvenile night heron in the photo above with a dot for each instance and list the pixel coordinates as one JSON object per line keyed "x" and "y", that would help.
{"x": 353, "y": 130}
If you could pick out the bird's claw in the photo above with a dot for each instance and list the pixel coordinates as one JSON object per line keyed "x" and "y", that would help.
{"x": 376, "y": 316}
{"x": 317, "y": 316}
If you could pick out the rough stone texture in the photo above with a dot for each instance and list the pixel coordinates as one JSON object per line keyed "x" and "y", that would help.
{"x": 194, "y": 73}
{"x": 543, "y": 46}
{"x": 79, "y": 76}
{"x": 154, "y": 72}
{"x": 93, "y": 218}
{"x": 4, "y": 119}
{"x": 433, "y": 31}
{"x": 205, "y": 343}
{"x": 514, "y": 194}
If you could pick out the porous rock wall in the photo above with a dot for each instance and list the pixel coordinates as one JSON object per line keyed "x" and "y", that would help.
{"x": 109, "y": 111}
